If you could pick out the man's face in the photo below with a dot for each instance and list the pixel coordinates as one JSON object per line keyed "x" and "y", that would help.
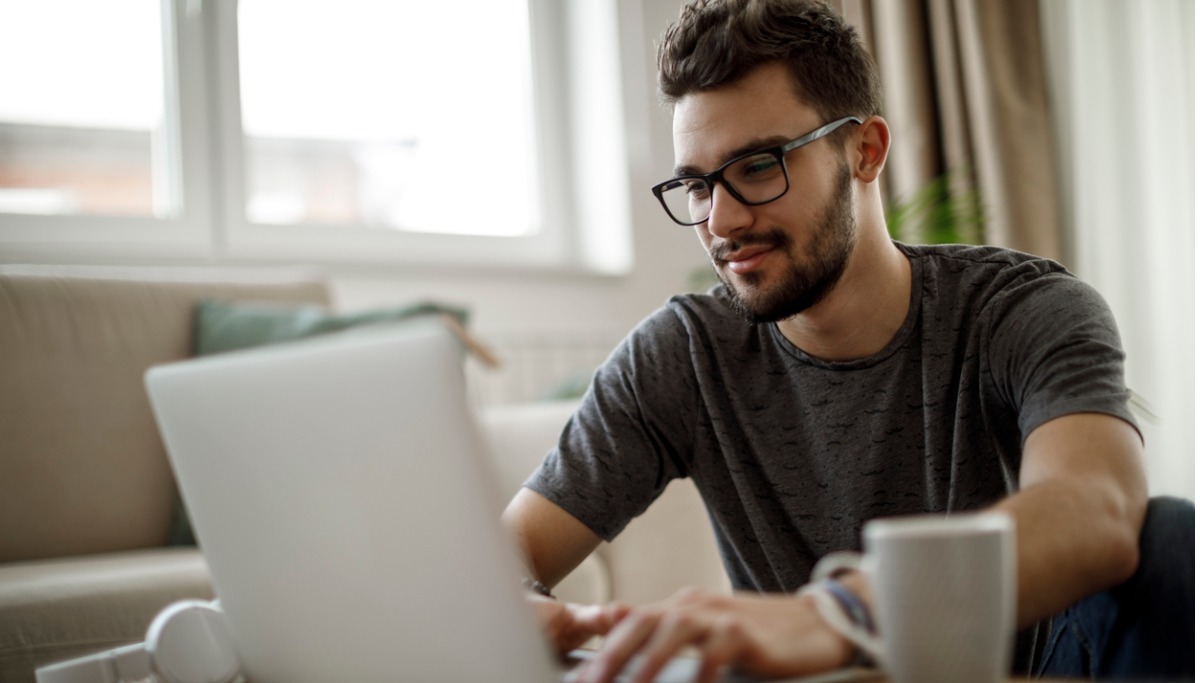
{"x": 781, "y": 258}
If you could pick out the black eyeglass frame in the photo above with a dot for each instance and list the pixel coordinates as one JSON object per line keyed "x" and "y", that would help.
{"x": 718, "y": 176}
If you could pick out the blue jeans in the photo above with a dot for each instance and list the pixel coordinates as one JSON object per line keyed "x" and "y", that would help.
{"x": 1145, "y": 627}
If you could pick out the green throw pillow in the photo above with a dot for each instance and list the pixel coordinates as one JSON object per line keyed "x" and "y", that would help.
{"x": 227, "y": 326}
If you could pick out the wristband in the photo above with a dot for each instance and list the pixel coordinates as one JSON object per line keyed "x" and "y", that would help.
{"x": 846, "y": 614}
{"x": 537, "y": 587}
{"x": 850, "y": 604}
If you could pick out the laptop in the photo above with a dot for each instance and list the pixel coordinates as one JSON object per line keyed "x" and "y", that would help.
{"x": 339, "y": 491}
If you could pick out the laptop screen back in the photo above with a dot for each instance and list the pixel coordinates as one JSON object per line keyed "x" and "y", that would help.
{"x": 339, "y": 492}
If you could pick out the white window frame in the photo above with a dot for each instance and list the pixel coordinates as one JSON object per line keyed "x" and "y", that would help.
{"x": 200, "y": 57}
{"x": 185, "y": 235}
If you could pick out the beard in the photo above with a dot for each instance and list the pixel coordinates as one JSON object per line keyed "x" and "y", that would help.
{"x": 801, "y": 286}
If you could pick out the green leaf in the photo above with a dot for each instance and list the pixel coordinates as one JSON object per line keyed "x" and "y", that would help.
{"x": 946, "y": 210}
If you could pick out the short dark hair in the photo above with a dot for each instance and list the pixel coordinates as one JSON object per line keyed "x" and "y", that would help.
{"x": 718, "y": 42}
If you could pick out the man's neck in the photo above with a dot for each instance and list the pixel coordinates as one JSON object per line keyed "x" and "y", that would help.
{"x": 863, "y": 312}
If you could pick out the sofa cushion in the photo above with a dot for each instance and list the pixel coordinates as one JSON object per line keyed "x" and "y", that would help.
{"x": 227, "y": 326}
{"x": 83, "y": 469}
{"x": 54, "y": 610}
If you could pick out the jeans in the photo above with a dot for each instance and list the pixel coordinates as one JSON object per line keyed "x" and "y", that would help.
{"x": 1145, "y": 627}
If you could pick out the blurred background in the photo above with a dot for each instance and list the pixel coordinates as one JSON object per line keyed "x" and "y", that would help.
{"x": 496, "y": 155}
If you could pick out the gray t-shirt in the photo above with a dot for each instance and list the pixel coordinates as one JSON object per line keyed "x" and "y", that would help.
{"x": 793, "y": 454}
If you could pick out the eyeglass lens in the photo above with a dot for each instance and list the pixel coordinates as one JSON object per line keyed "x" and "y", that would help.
{"x": 757, "y": 179}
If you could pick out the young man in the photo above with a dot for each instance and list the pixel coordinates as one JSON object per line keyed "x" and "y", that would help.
{"x": 835, "y": 376}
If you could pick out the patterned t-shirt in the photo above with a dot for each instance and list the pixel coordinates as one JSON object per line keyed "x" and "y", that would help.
{"x": 793, "y": 454}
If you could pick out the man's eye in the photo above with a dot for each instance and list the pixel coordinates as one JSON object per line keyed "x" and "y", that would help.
{"x": 697, "y": 189}
{"x": 758, "y": 167}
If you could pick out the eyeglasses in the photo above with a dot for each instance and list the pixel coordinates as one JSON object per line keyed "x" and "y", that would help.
{"x": 753, "y": 179}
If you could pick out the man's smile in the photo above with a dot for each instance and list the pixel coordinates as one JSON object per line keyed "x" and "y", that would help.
{"x": 748, "y": 254}
{"x": 746, "y": 259}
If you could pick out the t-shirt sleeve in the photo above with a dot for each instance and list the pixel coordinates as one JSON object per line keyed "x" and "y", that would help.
{"x": 1055, "y": 350}
{"x": 632, "y": 433}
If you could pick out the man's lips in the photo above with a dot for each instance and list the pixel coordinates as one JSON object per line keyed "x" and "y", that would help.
{"x": 745, "y": 259}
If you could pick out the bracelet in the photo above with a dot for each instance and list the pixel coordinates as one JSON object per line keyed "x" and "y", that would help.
{"x": 845, "y": 613}
{"x": 850, "y": 604}
{"x": 537, "y": 587}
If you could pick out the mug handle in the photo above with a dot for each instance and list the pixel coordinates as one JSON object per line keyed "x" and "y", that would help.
{"x": 832, "y": 611}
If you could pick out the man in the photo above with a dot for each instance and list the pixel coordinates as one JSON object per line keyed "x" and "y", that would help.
{"x": 835, "y": 376}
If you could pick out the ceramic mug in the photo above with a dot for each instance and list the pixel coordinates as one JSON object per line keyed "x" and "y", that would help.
{"x": 945, "y": 595}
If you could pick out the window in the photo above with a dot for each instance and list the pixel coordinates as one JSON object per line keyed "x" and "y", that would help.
{"x": 318, "y": 130}
{"x": 82, "y": 115}
{"x": 357, "y": 129}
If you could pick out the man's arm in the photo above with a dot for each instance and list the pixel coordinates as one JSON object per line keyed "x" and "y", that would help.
{"x": 1078, "y": 515}
{"x": 554, "y": 541}
{"x": 1078, "y": 512}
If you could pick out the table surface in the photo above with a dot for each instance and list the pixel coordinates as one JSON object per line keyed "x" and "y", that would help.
{"x": 685, "y": 670}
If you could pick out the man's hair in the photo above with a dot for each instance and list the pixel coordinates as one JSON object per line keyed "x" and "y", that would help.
{"x": 718, "y": 42}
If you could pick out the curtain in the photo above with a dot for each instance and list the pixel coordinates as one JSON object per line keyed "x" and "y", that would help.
{"x": 965, "y": 94}
{"x": 1123, "y": 80}
{"x": 1083, "y": 150}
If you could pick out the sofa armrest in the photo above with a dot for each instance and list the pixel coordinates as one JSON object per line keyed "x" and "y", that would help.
{"x": 59, "y": 609}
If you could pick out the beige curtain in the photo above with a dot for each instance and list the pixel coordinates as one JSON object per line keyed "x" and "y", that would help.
{"x": 965, "y": 92}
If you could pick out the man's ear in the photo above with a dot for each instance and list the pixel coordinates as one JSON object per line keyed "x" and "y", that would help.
{"x": 869, "y": 156}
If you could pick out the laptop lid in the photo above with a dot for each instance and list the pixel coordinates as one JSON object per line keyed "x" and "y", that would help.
{"x": 338, "y": 489}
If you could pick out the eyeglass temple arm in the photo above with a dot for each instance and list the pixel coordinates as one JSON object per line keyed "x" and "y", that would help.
{"x": 821, "y": 132}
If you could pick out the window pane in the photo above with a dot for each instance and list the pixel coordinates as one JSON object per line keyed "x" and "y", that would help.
{"x": 81, "y": 107}
{"x": 408, "y": 115}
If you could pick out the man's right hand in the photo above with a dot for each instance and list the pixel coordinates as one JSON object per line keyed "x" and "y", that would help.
{"x": 772, "y": 636}
{"x": 569, "y": 625}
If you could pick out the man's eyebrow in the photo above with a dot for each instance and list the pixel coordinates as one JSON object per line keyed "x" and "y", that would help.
{"x": 751, "y": 146}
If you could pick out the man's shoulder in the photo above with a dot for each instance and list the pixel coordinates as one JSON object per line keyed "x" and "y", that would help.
{"x": 974, "y": 256}
{"x": 713, "y": 307}
{"x": 987, "y": 270}
{"x": 1005, "y": 290}
{"x": 693, "y": 319}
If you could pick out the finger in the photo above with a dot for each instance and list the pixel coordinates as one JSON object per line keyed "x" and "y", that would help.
{"x": 674, "y": 632}
{"x": 582, "y": 622}
{"x": 599, "y": 619}
{"x": 625, "y": 639}
{"x": 722, "y": 647}
{"x": 616, "y": 611}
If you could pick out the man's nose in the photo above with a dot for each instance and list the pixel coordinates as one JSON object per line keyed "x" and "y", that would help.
{"x": 728, "y": 215}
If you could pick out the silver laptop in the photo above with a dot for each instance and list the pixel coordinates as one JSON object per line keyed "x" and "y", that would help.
{"x": 339, "y": 491}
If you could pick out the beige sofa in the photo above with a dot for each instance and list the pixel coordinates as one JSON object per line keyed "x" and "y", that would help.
{"x": 86, "y": 495}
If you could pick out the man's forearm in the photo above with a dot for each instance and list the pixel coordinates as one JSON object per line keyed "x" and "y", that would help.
{"x": 1078, "y": 513}
{"x": 1073, "y": 540}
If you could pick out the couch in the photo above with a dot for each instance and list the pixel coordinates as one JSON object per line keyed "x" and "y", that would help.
{"x": 87, "y": 500}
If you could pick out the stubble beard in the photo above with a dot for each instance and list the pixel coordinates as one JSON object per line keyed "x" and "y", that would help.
{"x": 802, "y": 285}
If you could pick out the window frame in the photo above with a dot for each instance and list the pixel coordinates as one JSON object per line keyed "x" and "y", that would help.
{"x": 187, "y": 233}
{"x": 205, "y": 150}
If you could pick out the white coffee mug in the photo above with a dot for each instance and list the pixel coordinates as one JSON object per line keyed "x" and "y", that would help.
{"x": 945, "y": 595}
